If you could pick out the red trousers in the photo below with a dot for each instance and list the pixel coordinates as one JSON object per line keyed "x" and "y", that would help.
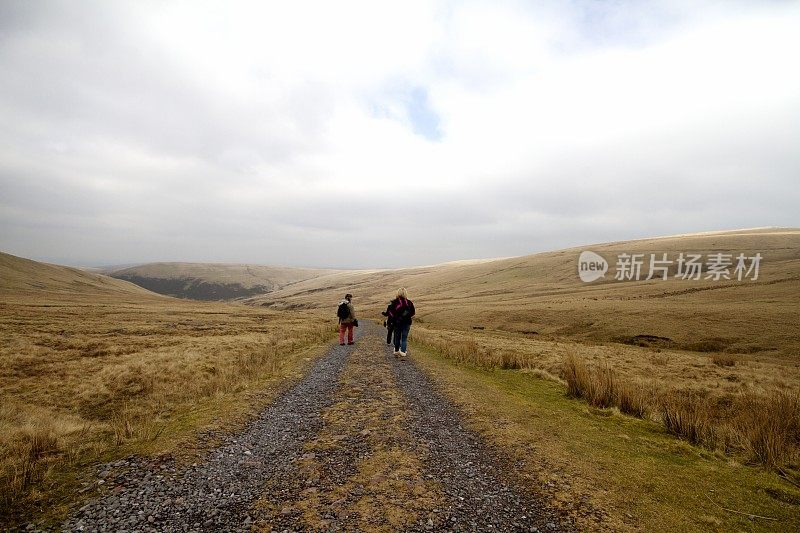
{"x": 342, "y": 329}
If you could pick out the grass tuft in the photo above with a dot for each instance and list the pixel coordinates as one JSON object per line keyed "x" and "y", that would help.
{"x": 768, "y": 427}
{"x": 688, "y": 417}
{"x": 723, "y": 359}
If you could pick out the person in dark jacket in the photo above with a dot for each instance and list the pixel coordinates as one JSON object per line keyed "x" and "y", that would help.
{"x": 401, "y": 311}
{"x": 347, "y": 322}
{"x": 388, "y": 323}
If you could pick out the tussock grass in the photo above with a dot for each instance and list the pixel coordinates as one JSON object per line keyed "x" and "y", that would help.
{"x": 689, "y": 417}
{"x": 760, "y": 427}
{"x": 638, "y": 475}
{"x": 765, "y": 427}
{"x": 602, "y": 387}
{"x": 471, "y": 352}
{"x": 89, "y": 378}
{"x": 768, "y": 427}
{"x": 723, "y": 359}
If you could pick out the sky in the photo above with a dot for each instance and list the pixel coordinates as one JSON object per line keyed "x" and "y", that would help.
{"x": 386, "y": 134}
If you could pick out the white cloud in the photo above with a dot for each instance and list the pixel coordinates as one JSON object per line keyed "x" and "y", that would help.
{"x": 249, "y": 127}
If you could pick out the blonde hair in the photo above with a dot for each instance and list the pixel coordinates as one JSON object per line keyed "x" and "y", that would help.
{"x": 401, "y": 293}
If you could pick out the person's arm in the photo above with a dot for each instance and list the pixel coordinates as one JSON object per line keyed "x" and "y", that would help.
{"x": 413, "y": 310}
{"x": 352, "y": 311}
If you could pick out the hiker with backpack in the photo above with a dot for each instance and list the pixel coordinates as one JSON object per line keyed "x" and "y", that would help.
{"x": 401, "y": 311}
{"x": 347, "y": 319}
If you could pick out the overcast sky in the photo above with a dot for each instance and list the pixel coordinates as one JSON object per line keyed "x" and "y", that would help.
{"x": 382, "y": 134}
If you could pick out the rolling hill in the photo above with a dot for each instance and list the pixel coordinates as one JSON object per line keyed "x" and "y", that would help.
{"x": 209, "y": 281}
{"x": 542, "y": 295}
{"x": 19, "y": 276}
{"x": 98, "y": 367}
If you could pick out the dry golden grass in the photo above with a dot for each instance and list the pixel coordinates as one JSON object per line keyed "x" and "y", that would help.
{"x": 723, "y": 359}
{"x": 609, "y": 471}
{"x": 541, "y": 296}
{"x": 668, "y": 368}
{"x": 90, "y": 376}
{"x": 755, "y": 415}
{"x": 765, "y": 427}
{"x": 602, "y": 387}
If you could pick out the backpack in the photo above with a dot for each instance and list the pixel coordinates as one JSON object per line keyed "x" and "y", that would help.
{"x": 343, "y": 312}
{"x": 406, "y": 310}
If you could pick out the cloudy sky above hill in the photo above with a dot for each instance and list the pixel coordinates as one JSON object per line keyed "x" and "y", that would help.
{"x": 381, "y": 134}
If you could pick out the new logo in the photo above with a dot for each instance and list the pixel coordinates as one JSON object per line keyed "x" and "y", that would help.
{"x": 591, "y": 266}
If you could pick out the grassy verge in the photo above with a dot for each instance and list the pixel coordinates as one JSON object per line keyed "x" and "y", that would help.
{"x": 763, "y": 428}
{"x": 86, "y": 381}
{"x": 749, "y": 409}
{"x": 608, "y": 470}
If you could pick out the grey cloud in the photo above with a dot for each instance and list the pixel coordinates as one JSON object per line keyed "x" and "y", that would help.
{"x": 113, "y": 151}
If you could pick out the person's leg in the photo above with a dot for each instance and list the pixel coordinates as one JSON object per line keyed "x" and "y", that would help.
{"x": 389, "y": 331}
{"x": 404, "y": 339}
{"x": 397, "y": 333}
{"x": 341, "y": 333}
{"x": 350, "y": 333}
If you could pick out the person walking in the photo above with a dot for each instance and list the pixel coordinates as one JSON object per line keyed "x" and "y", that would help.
{"x": 401, "y": 311}
{"x": 347, "y": 319}
{"x": 388, "y": 323}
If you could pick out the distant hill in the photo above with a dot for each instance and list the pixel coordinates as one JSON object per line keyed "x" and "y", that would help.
{"x": 212, "y": 281}
{"x": 542, "y": 294}
{"x": 20, "y": 276}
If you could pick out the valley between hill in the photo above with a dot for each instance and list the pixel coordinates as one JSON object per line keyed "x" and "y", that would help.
{"x": 575, "y": 388}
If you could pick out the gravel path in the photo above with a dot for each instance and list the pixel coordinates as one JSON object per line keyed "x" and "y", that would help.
{"x": 480, "y": 497}
{"x": 363, "y": 441}
{"x": 216, "y": 495}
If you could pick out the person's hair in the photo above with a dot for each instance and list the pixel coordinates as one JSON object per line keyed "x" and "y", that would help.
{"x": 348, "y": 296}
{"x": 401, "y": 293}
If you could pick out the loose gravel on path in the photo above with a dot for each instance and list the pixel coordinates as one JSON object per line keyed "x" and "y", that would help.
{"x": 340, "y": 445}
{"x": 482, "y": 495}
{"x": 216, "y": 494}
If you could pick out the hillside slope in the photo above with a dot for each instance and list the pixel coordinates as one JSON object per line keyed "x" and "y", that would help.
{"x": 542, "y": 294}
{"x": 210, "y": 281}
{"x": 19, "y": 276}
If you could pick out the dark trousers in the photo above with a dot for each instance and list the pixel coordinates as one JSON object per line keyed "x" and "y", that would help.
{"x": 389, "y": 330}
{"x": 401, "y": 337}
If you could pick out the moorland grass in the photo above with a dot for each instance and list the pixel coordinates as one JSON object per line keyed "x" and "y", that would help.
{"x": 755, "y": 421}
{"x": 609, "y": 471}
{"x": 89, "y": 378}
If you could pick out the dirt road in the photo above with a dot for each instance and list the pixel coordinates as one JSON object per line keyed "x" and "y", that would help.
{"x": 363, "y": 442}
